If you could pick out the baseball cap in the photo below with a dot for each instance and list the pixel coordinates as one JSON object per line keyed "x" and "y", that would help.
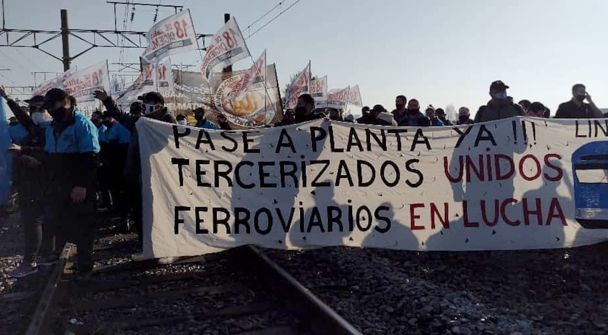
{"x": 498, "y": 85}
{"x": 153, "y": 97}
{"x": 54, "y": 95}
{"x": 37, "y": 100}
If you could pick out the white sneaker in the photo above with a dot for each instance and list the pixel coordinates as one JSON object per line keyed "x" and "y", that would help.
{"x": 167, "y": 260}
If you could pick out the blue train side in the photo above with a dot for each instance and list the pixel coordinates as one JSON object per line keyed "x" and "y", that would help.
{"x": 590, "y": 169}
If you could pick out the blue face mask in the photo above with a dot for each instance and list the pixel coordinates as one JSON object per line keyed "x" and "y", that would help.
{"x": 500, "y": 95}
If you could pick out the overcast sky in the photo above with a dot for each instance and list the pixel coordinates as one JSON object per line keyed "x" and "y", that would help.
{"x": 439, "y": 51}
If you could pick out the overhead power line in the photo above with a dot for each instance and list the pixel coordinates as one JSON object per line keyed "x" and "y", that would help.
{"x": 274, "y": 18}
{"x": 264, "y": 15}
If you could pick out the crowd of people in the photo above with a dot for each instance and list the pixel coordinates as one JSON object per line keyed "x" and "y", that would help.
{"x": 68, "y": 167}
{"x": 500, "y": 106}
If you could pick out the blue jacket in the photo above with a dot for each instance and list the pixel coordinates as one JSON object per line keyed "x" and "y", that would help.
{"x": 437, "y": 123}
{"x": 118, "y": 133}
{"x": 72, "y": 148}
{"x": 133, "y": 165}
{"x": 18, "y": 133}
{"x": 79, "y": 136}
{"x": 206, "y": 124}
{"x": 415, "y": 120}
{"x": 102, "y": 133}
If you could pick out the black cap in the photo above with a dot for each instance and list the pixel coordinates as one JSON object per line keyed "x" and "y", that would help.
{"x": 153, "y": 97}
{"x": 498, "y": 86}
{"x": 54, "y": 95}
{"x": 37, "y": 100}
{"x": 378, "y": 108}
{"x": 136, "y": 107}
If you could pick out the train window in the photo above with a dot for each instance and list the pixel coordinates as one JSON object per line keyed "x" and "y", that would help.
{"x": 592, "y": 176}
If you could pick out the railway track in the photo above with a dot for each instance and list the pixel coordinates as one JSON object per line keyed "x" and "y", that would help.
{"x": 240, "y": 291}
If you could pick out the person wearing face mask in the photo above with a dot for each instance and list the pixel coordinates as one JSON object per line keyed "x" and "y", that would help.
{"x": 153, "y": 106}
{"x": 304, "y": 109}
{"x": 464, "y": 116}
{"x": 29, "y": 181}
{"x": 576, "y": 108}
{"x": 70, "y": 162}
{"x": 414, "y": 118}
{"x": 181, "y": 120}
{"x": 500, "y": 107}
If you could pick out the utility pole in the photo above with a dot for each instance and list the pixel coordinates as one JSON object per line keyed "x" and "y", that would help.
{"x": 65, "y": 33}
{"x": 93, "y": 38}
{"x": 226, "y": 72}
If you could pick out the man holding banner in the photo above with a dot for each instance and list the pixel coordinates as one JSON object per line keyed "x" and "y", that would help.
{"x": 304, "y": 109}
{"x": 153, "y": 108}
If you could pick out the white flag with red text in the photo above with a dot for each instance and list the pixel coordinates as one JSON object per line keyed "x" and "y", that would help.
{"x": 227, "y": 47}
{"x": 299, "y": 86}
{"x": 170, "y": 36}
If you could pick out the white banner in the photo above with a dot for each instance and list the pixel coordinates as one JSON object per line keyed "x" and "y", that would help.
{"x": 154, "y": 77}
{"x": 299, "y": 86}
{"x": 518, "y": 183}
{"x": 318, "y": 89}
{"x": 56, "y": 82}
{"x": 82, "y": 84}
{"x": 227, "y": 47}
{"x": 171, "y": 36}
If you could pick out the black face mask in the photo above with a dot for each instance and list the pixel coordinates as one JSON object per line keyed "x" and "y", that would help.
{"x": 463, "y": 118}
{"x": 58, "y": 114}
{"x": 300, "y": 110}
{"x": 198, "y": 117}
{"x": 414, "y": 111}
{"x": 580, "y": 98}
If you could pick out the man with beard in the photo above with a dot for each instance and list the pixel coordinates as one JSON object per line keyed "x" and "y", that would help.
{"x": 413, "y": 117}
{"x": 576, "y": 108}
{"x": 400, "y": 112}
{"x": 499, "y": 107}
{"x": 304, "y": 109}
